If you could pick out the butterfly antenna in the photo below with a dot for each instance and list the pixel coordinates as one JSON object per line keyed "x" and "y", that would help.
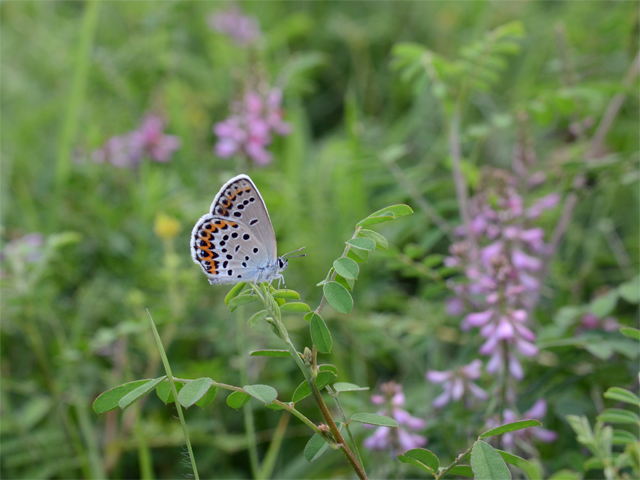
{"x": 294, "y": 251}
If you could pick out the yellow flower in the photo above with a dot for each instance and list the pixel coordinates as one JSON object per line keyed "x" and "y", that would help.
{"x": 166, "y": 226}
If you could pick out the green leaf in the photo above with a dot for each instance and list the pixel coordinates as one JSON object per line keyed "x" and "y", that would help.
{"x": 238, "y": 399}
{"x": 362, "y": 244}
{"x": 303, "y": 391}
{"x": 374, "y": 419}
{"x": 486, "y": 463}
{"x": 244, "y": 299}
{"x": 603, "y": 305}
{"x": 348, "y": 284}
{"x": 376, "y": 237}
{"x": 386, "y": 214}
{"x": 270, "y": 353}
{"x": 328, "y": 368}
{"x": 348, "y": 387}
{"x": 275, "y": 406}
{"x": 141, "y": 391}
{"x": 593, "y": 464}
{"x": 163, "y": 390}
{"x": 338, "y": 297}
{"x": 320, "y": 334}
{"x": 315, "y": 448}
{"x": 622, "y": 437}
{"x": 631, "y": 332}
{"x": 108, "y": 400}
{"x": 257, "y": 317}
{"x": 565, "y": 475}
{"x": 286, "y": 294}
{"x": 622, "y": 395}
{"x": 510, "y": 427}
{"x": 298, "y": 307}
{"x": 234, "y": 292}
{"x": 264, "y": 393}
{"x": 194, "y": 391}
{"x": 462, "y": 470}
{"x": 528, "y": 468}
{"x": 421, "y": 458}
{"x": 208, "y": 397}
{"x": 618, "y": 415}
{"x": 359, "y": 256}
{"x": 630, "y": 290}
{"x": 347, "y": 268}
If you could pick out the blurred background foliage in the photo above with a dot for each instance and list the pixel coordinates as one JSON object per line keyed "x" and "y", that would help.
{"x": 363, "y": 136}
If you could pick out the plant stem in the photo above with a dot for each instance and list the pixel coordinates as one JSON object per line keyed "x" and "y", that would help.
{"x": 167, "y": 368}
{"x": 346, "y": 423}
{"x": 249, "y": 427}
{"x": 455, "y": 462}
{"x": 311, "y": 381}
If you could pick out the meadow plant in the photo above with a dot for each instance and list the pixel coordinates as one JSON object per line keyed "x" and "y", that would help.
{"x": 251, "y": 126}
{"x": 244, "y": 30}
{"x": 458, "y": 382}
{"x": 501, "y": 262}
{"x": 146, "y": 141}
{"x": 397, "y": 440}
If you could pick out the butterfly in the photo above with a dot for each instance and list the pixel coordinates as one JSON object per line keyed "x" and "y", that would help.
{"x": 235, "y": 241}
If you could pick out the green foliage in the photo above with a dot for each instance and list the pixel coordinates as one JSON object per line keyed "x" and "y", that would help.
{"x": 364, "y": 134}
{"x": 486, "y": 462}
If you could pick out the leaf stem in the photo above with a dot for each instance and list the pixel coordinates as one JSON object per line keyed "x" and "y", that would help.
{"x": 455, "y": 462}
{"x": 311, "y": 379}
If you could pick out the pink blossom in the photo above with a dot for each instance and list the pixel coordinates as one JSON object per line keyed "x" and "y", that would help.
{"x": 242, "y": 29}
{"x": 544, "y": 203}
{"x": 249, "y": 128}
{"x": 28, "y": 249}
{"x": 396, "y": 439}
{"x": 456, "y": 382}
{"x": 537, "y": 412}
{"x": 148, "y": 140}
{"x": 590, "y": 321}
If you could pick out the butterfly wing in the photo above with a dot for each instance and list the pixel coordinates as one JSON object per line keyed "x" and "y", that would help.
{"x": 235, "y": 241}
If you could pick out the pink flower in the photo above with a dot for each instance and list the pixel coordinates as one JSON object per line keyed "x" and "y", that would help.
{"x": 242, "y": 29}
{"x": 537, "y": 412}
{"x": 148, "y": 140}
{"x": 542, "y": 204}
{"x": 249, "y": 128}
{"x": 395, "y": 439}
{"x": 456, "y": 382}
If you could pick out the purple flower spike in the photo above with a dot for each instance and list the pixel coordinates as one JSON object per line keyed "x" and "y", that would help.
{"x": 537, "y": 412}
{"x": 242, "y": 29}
{"x": 249, "y": 128}
{"x": 395, "y": 440}
{"x": 148, "y": 140}
{"x": 456, "y": 382}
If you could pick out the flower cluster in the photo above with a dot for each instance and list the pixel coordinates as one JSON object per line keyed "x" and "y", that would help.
{"x": 242, "y": 29}
{"x": 456, "y": 382}
{"x": 148, "y": 140}
{"x": 502, "y": 259}
{"x": 397, "y": 440}
{"x": 249, "y": 128}
{"x": 537, "y": 412}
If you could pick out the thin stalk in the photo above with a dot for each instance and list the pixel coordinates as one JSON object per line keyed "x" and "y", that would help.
{"x": 270, "y": 457}
{"x": 458, "y": 178}
{"x": 249, "y": 426}
{"x": 282, "y": 332}
{"x": 455, "y": 462}
{"x": 167, "y": 368}
{"x": 345, "y": 422}
{"x": 71, "y": 120}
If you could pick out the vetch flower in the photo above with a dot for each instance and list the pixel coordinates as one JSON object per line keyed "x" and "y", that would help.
{"x": 148, "y": 140}
{"x": 396, "y": 440}
{"x": 248, "y": 130}
{"x": 456, "y": 382}
{"x": 537, "y": 412}
{"x": 242, "y": 29}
